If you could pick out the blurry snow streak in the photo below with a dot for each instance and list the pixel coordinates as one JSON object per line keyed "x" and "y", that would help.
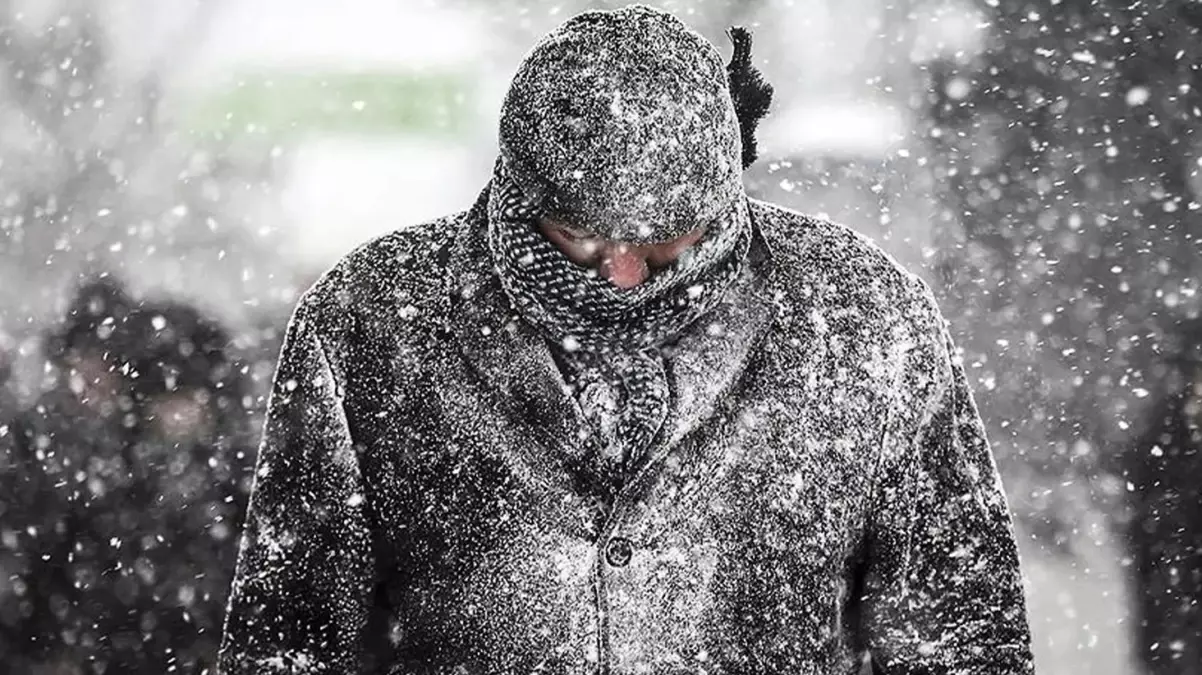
{"x": 287, "y": 102}
{"x": 349, "y": 34}
{"x": 1079, "y": 607}
{"x": 855, "y": 128}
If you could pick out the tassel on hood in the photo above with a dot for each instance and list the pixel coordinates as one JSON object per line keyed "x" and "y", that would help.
{"x": 628, "y": 124}
{"x": 752, "y": 93}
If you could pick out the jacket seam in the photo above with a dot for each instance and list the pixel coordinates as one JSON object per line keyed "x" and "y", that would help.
{"x": 340, "y": 390}
{"x": 887, "y": 433}
{"x": 887, "y": 438}
{"x": 907, "y": 458}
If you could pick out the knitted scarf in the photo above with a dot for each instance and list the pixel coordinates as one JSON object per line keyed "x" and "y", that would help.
{"x": 608, "y": 339}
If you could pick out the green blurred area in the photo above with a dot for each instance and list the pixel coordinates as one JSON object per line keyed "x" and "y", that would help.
{"x": 287, "y": 103}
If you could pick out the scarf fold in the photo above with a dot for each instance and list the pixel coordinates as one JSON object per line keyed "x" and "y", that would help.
{"x": 608, "y": 340}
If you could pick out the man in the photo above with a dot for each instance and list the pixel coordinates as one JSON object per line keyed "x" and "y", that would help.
{"x": 618, "y": 417}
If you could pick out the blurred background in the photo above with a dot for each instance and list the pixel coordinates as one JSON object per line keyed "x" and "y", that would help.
{"x": 174, "y": 173}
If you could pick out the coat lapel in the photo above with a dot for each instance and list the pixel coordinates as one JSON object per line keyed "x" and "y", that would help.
{"x": 511, "y": 359}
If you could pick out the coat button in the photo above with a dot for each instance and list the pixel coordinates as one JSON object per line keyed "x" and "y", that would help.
{"x": 618, "y": 551}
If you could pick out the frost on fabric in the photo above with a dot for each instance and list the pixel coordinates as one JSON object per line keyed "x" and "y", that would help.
{"x": 305, "y": 546}
{"x": 821, "y": 484}
{"x": 626, "y": 155}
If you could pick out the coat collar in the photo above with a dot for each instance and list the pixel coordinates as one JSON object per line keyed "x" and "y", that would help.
{"x": 514, "y": 361}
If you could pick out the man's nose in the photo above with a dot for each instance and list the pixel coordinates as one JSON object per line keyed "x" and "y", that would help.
{"x": 623, "y": 265}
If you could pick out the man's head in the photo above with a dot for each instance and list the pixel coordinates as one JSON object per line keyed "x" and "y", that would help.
{"x": 621, "y": 124}
{"x": 92, "y": 345}
{"x": 616, "y": 212}
{"x": 630, "y": 135}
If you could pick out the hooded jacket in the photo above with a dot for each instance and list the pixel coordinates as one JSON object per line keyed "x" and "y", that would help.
{"x": 119, "y": 538}
{"x": 821, "y": 488}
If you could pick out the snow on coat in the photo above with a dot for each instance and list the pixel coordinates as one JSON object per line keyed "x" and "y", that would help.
{"x": 822, "y": 486}
{"x": 819, "y": 488}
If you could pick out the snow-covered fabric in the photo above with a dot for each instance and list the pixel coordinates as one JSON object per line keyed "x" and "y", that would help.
{"x": 609, "y": 338}
{"x": 822, "y": 485}
{"x": 622, "y": 123}
{"x": 816, "y": 484}
{"x": 572, "y": 303}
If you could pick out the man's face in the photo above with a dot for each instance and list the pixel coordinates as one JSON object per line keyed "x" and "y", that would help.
{"x": 625, "y": 265}
{"x": 181, "y": 415}
{"x": 92, "y": 379}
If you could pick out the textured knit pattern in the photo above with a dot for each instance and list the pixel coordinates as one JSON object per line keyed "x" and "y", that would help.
{"x": 822, "y": 487}
{"x": 622, "y": 123}
{"x": 574, "y": 304}
{"x": 609, "y": 338}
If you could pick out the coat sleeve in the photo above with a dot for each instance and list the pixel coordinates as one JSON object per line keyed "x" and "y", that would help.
{"x": 299, "y": 599}
{"x": 943, "y": 591}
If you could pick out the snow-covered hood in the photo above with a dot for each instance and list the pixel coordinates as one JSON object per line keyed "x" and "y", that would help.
{"x": 622, "y": 122}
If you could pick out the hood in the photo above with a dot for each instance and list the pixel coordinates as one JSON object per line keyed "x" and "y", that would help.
{"x": 622, "y": 123}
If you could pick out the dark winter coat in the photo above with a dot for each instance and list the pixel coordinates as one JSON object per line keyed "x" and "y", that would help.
{"x": 821, "y": 488}
{"x": 118, "y": 540}
{"x": 1165, "y": 536}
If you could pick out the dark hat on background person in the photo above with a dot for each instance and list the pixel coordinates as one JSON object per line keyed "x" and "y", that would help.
{"x": 627, "y": 124}
{"x": 96, "y": 321}
{"x": 179, "y": 348}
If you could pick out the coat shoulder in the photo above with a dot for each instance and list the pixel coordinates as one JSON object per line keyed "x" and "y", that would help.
{"x": 395, "y": 282}
{"x": 825, "y": 270}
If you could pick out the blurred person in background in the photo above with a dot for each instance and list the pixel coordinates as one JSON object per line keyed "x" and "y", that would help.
{"x": 1165, "y": 534}
{"x": 131, "y": 499}
{"x": 76, "y": 429}
{"x": 192, "y": 453}
{"x": 619, "y": 417}
{"x": 12, "y": 561}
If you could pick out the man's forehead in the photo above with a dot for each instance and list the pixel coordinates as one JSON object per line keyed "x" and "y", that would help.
{"x": 649, "y": 240}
